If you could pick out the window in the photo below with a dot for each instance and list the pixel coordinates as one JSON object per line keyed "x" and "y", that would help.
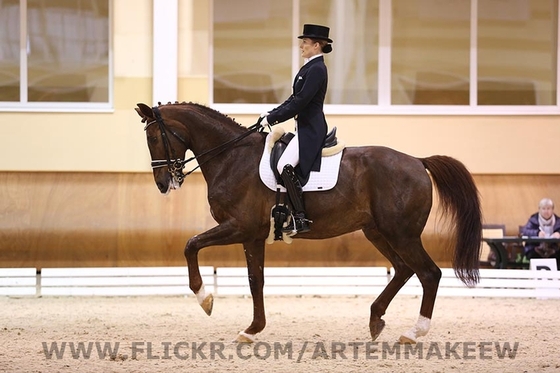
{"x": 54, "y": 54}
{"x": 353, "y": 62}
{"x": 430, "y": 52}
{"x": 254, "y": 49}
{"x": 393, "y": 56}
{"x": 517, "y": 52}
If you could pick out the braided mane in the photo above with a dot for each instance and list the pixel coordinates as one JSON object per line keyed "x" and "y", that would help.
{"x": 204, "y": 110}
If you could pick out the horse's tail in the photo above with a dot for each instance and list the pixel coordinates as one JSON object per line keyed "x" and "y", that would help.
{"x": 459, "y": 198}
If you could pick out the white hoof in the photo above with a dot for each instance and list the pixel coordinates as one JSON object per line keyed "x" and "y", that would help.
{"x": 420, "y": 329}
{"x": 206, "y": 301}
{"x": 243, "y": 337}
{"x": 407, "y": 339}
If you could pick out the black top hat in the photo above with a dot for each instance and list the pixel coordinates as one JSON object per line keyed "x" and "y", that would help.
{"x": 315, "y": 32}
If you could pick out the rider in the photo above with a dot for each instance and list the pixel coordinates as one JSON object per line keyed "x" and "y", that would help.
{"x": 306, "y": 106}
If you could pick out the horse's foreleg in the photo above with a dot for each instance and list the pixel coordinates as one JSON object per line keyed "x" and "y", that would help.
{"x": 254, "y": 254}
{"x": 205, "y": 300}
{"x": 223, "y": 234}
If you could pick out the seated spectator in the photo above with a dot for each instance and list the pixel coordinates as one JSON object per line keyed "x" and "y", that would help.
{"x": 544, "y": 223}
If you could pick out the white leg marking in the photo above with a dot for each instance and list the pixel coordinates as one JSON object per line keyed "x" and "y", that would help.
{"x": 420, "y": 329}
{"x": 201, "y": 295}
{"x": 243, "y": 337}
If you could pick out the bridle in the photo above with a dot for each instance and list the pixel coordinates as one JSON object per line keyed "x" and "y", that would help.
{"x": 175, "y": 166}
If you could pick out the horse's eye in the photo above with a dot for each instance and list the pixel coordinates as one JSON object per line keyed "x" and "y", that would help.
{"x": 152, "y": 140}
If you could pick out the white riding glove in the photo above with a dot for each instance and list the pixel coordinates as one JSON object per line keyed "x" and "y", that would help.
{"x": 264, "y": 121}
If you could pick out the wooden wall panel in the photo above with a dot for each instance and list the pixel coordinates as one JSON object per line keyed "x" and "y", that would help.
{"x": 511, "y": 199}
{"x": 56, "y": 219}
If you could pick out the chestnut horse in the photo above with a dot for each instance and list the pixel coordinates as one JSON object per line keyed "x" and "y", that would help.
{"x": 384, "y": 193}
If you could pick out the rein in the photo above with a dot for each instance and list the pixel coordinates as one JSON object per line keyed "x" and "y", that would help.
{"x": 176, "y": 166}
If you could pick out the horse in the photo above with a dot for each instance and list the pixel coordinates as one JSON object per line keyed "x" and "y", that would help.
{"x": 382, "y": 192}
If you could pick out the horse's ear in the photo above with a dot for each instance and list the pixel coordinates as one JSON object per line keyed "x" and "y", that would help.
{"x": 144, "y": 111}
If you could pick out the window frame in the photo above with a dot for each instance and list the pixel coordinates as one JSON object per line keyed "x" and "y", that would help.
{"x": 79, "y": 107}
{"x": 384, "y": 106}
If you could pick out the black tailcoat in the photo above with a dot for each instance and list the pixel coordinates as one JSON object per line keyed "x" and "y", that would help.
{"x": 306, "y": 105}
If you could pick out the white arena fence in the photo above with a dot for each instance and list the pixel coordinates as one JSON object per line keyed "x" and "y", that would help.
{"x": 18, "y": 281}
{"x": 120, "y": 281}
{"x": 135, "y": 281}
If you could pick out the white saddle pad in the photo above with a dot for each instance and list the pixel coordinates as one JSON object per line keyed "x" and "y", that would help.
{"x": 323, "y": 180}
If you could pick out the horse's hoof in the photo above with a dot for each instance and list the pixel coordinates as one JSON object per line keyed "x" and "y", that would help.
{"x": 207, "y": 304}
{"x": 243, "y": 337}
{"x": 375, "y": 328}
{"x": 404, "y": 340}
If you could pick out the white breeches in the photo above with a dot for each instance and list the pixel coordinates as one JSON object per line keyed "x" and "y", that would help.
{"x": 290, "y": 155}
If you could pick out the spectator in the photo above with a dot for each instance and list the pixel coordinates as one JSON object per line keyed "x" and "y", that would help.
{"x": 544, "y": 223}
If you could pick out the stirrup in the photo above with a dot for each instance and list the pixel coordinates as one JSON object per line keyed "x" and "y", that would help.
{"x": 301, "y": 226}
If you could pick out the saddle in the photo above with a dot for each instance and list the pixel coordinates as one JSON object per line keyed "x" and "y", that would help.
{"x": 280, "y": 146}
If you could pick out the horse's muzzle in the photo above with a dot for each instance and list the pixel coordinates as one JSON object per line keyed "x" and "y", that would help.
{"x": 163, "y": 188}
{"x": 166, "y": 187}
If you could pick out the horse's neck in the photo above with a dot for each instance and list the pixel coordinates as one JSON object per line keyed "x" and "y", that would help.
{"x": 238, "y": 161}
{"x": 208, "y": 132}
{"x": 211, "y": 142}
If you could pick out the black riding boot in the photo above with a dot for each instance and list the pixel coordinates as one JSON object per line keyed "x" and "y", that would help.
{"x": 299, "y": 223}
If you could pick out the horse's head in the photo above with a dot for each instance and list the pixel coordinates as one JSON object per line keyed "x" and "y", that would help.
{"x": 167, "y": 145}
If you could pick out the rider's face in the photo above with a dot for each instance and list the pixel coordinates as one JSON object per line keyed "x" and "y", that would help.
{"x": 308, "y": 48}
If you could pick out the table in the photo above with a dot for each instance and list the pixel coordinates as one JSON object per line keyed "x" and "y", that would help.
{"x": 501, "y": 247}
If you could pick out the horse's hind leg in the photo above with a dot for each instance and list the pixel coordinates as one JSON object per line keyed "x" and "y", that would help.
{"x": 429, "y": 275}
{"x": 402, "y": 274}
{"x": 415, "y": 258}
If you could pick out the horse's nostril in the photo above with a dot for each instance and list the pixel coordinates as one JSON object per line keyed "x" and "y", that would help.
{"x": 162, "y": 187}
